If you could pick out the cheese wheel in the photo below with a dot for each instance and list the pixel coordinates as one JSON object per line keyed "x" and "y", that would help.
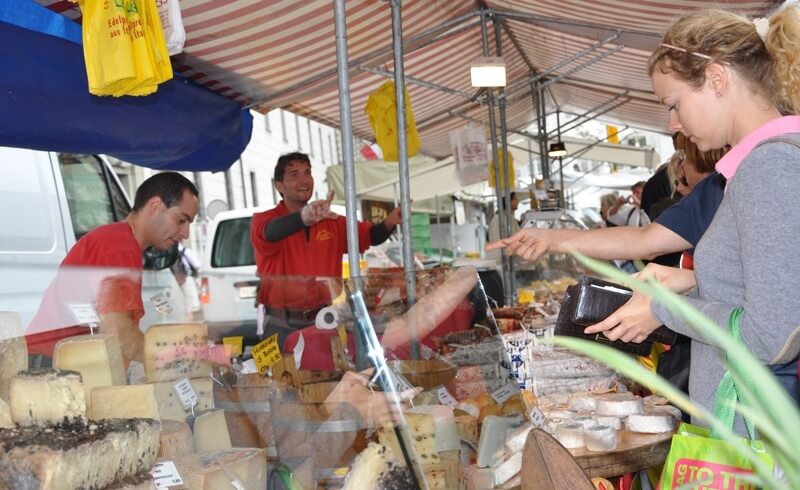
{"x": 46, "y": 395}
{"x": 672, "y": 410}
{"x": 560, "y": 414}
{"x": 655, "y": 400}
{"x": 551, "y": 426}
{"x": 176, "y": 440}
{"x": 619, "y": 404}
{"x": 570, "y": 435}
{"x": 561, "y": 398}
{"x": 650, "y": 423}
{"x": 583, "y": 401}
{"x": 585, "y": 420}
{"x": 609, "y": 420}
{"x": 600, "y": 438}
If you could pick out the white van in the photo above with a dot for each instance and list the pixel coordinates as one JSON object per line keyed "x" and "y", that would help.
{"x": 47, "y": 202}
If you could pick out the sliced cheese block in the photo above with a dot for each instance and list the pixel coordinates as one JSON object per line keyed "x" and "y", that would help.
{"x": 124, "y": 402}
{"x": 368, "y": 467}
{"x": 204, "y": 471}
{"x": 177, "y": 440}
{"x": 507, "y": 469}
{"x": 583, "y": 401}
{"x": 176, "y": 351}
{"x": 169, "y": 405}
{"x": 477, "y": 478}
{"x": 467, "y": 427}
{"x": 570, "y": 435}
{"x": 211, "y": 431}
{"x": 13, "y": 359}
{"x": 619, "y": 404}
{"x": 77, "y": 455}
{"x": 492, "y": 440}
{"x": 5, "y": 415}
{"x": 436, "y": 478}
{"x": 609, "y": 420}
{"x": 40, "y": 396}
{"x": 652, "y": 423}
{"x": 97, "y": 357}
{"x": 515, "y": 438}
{"x": 445, "y": 424}
{"x": 600, "y": 438}
{"x": 422, "y": 428}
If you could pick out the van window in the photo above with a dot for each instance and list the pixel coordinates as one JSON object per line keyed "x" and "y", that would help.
{"x": 93, "y": 196}
{"x": 27, "y": 187}
{"x": 232, "y": 247}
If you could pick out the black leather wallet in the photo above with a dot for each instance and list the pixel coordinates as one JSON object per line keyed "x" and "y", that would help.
{"x": 591, "y": 301}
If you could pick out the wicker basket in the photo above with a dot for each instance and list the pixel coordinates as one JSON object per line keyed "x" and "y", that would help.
{"x": 427, "y": 373}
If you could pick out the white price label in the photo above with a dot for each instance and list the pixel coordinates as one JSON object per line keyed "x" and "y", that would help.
{"x": 537, "y": 417}
{"x": 84, "y": 313}
{"x": 504, "y": 393}
{"x": 399, "y": 381}
{"x": 445, "y": 398}
{"x": 166, "y": 475}
{"x": 186, "y": 393}
{"x": 161, "y": 304}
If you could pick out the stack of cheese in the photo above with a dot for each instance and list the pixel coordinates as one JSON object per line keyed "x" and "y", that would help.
{"x": 52, "y": 445}
{"x": 593, "y": 420}
{"x": 499, "y": 457}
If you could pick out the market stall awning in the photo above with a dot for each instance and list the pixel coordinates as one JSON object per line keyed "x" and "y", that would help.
{"x": 45, "y": 103}
{"x": 582, "y": 149}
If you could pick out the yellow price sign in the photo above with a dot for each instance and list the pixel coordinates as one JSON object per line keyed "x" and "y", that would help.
{"x": 233, "y": 346}
{"x": 267, "y": 353}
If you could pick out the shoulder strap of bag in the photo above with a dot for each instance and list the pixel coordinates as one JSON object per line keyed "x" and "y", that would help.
{"x": 727, "y": 395}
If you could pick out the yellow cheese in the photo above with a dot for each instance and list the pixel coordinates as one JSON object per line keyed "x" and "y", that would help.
{"x": 211, "y": 431}
{"x": 124, "y": 402}
{"x": 467, "y": 426}
{"x": 176, "y": 351}
{"x": 204, "y": 471}
{"x": 41, "y": 396}
{"x": 13, "y": 359}
{"x": 423, "y": 432}
{"x": 169, "y": 405}
{"x": 368, "y": 468}
{"x": 176, "y": 440}
{"x": 97, "y": 357}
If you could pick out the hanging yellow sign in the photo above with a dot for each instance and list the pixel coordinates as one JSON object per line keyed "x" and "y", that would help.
{"x": 511, "y": 177}
{"x": 267, "y": 353}
{"x": 613, "y": 134}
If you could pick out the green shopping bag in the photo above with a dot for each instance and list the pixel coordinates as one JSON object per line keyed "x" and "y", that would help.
{"x": 699, "y": 459}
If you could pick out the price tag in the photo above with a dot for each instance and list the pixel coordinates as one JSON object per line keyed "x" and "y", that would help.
{"x": 399, "y": 381}
{"x": 267, "y": 353}
{"x": 537, "y": 417}
{"x": 161, "y": 305}
{"x": 186, "y": 393}
{"x": 166, "y": 475}
{"x": 233, "y": 346}
{"x": 84, "y": 313}
{"x": 445, "y": 398}
{"x": 505, "y": 392}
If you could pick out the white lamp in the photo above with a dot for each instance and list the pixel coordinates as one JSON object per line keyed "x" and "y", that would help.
{"x": 557, "y": 149}
{"x": 488, "y": 72}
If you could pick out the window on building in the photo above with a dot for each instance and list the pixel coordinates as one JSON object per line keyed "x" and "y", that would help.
{"x": 283, "y": 126}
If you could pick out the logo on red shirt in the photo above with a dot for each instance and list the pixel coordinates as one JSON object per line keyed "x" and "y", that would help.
{"x": 323, "y": 235}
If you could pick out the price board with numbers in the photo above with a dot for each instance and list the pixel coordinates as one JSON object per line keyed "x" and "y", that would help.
{"x": 267, "y": 353}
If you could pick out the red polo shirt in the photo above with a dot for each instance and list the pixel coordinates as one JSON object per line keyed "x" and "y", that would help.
{"x": 289, "y": 268}
{"x": 103, "y": 268}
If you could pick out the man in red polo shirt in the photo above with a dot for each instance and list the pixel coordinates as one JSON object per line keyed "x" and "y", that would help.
{"x": 299, "y": 246}
{"x": 104, "y": 268}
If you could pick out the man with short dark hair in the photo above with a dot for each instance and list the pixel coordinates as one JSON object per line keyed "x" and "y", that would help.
{"x": 298, "y": 242}
{"x": 164, "y": 206}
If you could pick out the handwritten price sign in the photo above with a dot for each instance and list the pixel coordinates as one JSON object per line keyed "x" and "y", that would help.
{"x": 267, "y": 353}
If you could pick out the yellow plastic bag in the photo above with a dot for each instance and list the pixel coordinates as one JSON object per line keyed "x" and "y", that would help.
{"x": 124, "y": 47}
{"x": 382, "y": 110}
{"x": 511, "y": 177}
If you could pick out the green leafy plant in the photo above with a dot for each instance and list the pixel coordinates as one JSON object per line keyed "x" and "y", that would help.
{"x": 775, "y": 414}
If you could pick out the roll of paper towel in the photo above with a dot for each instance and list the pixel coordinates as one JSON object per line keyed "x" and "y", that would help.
{"x": 327, "y": 318}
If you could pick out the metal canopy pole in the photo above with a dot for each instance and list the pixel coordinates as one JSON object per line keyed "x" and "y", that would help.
{"x": 402, "y": 158}
{"x": 509, "y": 213}
{"x": 541, "y": 124}
{"x": 490, "y": 96}
{"x": 561, "y": 199}
{"x": 417, "y": 81}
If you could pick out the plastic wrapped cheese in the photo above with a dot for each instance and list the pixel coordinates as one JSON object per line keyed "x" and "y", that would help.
{"x": 600, "y": 438}
{"x": 619, "y": 404}
{"x": 570, "y": 435}
{"x": 650, "y": 423}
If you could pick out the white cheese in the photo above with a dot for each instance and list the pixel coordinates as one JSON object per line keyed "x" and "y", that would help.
{"x": 560, "y": 414}
{"x": 609, "y": 420}
{"x": 124, "y": 402}
{"x": 97, "y": 357}
{"x": 600, "y": 438}
{"x": 176, "y": 351}
{"x": 13, "y": 359}
{"x": 169, "y": 405}
{"x": 583, "y": 401}
{"x": 492, "y": 440}
{"x": 585, "y": 420}
{"x": 619, "y": 404}
{"x": 470, "y": 407}
{"x": 447, "y": 437}
{"x": 672, "y": 410}
{"x": 204, "y": 471}
{"x": 211, "y": 431}
{"x": 507, "y": 469}
{"x": 652, "y": 423}
{"x": 515, "y": 438}
{"x": 176, "y": 440}
{"x": 570, "y": 435}
{"x": 39, "y": 396}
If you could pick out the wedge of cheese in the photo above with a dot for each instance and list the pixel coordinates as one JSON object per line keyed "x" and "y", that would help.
{"x": 169, "y": 405}
{"x": 42, "y": 396}
{"x": 211, "y": 431}
{"x": 176, "y": 351}
{"x": 124, "y": 402}
{"x": 13, "y": 359}
{"x": 422, "y": 428}
{"x": 204, "y": 471}
{"x": 97, "y": 357}
{"x": 368, "y": 468}
{"x": 176, "y": 440}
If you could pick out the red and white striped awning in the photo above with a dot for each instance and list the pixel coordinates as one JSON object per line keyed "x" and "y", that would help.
{"x": 281, "y": 53}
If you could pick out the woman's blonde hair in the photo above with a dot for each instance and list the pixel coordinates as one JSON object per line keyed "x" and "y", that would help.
{"x": 703, "y": 161}
{"x": 771, "y": 67}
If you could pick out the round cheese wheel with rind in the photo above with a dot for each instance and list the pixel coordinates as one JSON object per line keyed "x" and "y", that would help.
{"x": 570, "y": 435}
{"x": 600, "y": 438}
{"x": 619, "y": 404}
{"x": 176, "y": 440}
